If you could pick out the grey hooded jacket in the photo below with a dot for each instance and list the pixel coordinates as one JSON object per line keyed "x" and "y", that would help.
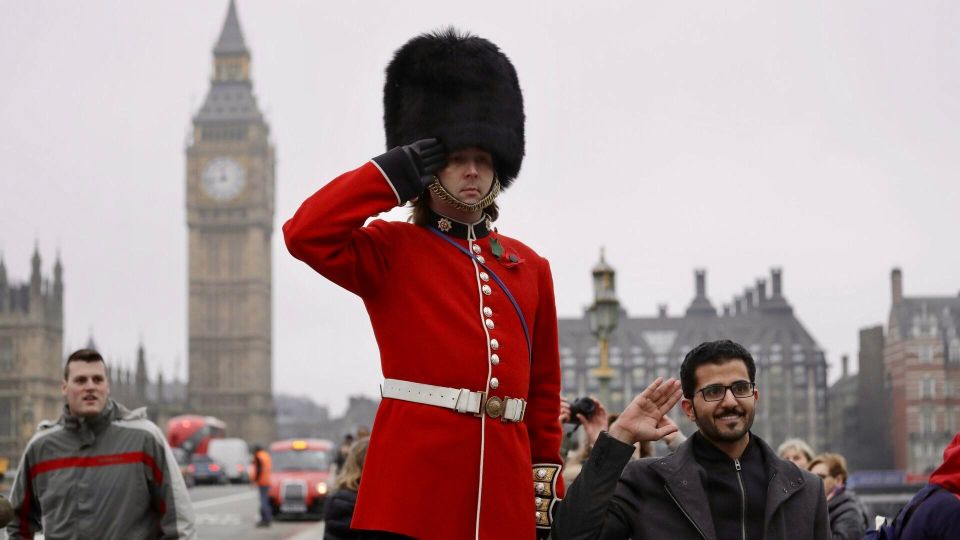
{"x": 659, "y": 498}
{"x": 112, "y": 476}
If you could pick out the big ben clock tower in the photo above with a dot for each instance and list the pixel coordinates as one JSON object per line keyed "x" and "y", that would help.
{"x": 230, "y": 199}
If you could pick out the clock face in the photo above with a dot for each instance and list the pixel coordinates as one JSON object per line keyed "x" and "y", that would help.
{"x": 223, "y": 179}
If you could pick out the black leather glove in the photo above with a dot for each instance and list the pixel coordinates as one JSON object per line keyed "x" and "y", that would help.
{"x": 410, "y": 168}
{"x": 427, "y": 156}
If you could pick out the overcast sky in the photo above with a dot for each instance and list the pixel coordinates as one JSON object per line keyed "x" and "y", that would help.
{"x": 821, "y": 137}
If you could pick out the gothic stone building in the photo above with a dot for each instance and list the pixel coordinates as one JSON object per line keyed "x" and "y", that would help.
{"x": 922, "y": 361}
{"x": 791, "y": 368}
{"x": 31, "y": 349}
{"x": 230, "y": 212}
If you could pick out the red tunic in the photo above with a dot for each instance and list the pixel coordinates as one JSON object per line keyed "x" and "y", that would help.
{"x": 432, "y": 472}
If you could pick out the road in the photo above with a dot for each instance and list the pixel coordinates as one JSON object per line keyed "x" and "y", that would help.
{"x": 230, "y": 512}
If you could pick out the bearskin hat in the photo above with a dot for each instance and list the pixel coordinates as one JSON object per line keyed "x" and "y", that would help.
{"x": 460, "y": 89}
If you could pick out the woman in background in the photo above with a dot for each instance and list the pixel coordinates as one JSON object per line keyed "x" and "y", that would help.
{"x": 338, "y": 510}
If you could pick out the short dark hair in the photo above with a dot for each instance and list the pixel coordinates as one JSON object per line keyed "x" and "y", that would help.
{"x": 82, "y": 355}
{"x": 712, "y": 352}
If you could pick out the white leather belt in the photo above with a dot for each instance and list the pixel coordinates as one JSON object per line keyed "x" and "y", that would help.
{"x": 461, "y": 400}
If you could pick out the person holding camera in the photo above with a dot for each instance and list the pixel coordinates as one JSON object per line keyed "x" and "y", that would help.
{"x": 466, "y": 441}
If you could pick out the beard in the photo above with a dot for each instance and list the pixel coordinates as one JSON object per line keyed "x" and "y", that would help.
{"x": 714, "y": 429}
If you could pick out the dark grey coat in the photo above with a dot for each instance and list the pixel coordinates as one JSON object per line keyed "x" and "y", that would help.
{"x": 847, "y": 520}
{"x": 657, "y": 498}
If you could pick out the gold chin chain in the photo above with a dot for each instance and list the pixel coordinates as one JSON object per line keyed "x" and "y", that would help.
{"x": 437, "y": 189}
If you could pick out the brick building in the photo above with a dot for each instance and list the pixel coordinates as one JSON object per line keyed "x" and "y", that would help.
{"x": 922, "y": 360}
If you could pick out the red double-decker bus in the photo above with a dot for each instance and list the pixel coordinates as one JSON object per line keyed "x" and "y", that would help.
{"x": 192, "y": 433}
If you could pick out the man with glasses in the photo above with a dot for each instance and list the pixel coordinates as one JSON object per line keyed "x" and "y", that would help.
{"x": 722, "y": 483}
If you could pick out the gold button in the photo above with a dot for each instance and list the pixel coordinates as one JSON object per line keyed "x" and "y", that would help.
{"x": 476, "y": 249}
{"x": 495, "y": 359}
{"x": 489, "y": 323}
{"x": 487, "y": 312}
{"x": 486, "y": 290}
{"x": 494, "y": 344}
{"x": 484, "y": 276}
{"x": 480, "y": 259}
{"x": 494, "y": 383}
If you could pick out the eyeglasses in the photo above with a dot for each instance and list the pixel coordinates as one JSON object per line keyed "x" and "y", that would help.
{"x": 715, "y": 392}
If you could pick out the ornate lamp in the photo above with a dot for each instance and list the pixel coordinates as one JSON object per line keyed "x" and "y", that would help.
{"x": 603, "y": 316}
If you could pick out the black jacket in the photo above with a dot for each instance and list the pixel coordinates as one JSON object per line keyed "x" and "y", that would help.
{"x": 337, "y": 514}
{"x": 666, "y": 497}
{"x": 847, "y": 521}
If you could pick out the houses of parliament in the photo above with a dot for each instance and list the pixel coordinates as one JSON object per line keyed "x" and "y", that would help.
{"x": 230, "y": 213}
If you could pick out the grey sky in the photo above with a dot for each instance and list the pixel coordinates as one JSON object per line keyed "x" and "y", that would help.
{"x": 816, "y": 136}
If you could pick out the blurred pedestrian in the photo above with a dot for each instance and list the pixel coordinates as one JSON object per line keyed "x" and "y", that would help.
{"x": 722, "y": 482}
{"x": 100, "y": 471}
{"x": 465, "y": 317}
{"x": 262, "y": 469}
{"x": 338, "y": 509}
{"x": 848, "y": 521}
{"x": 343, "y": 450}
{"x": 797, "y": 451}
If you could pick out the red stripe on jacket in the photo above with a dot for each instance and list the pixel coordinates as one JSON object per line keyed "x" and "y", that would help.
{"x": 105, "y": 460}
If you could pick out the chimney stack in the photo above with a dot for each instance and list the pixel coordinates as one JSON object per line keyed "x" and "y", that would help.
{"x": 845, "y": 366}
{"x": 662, "y": 311}
{"x": 726, "y": 310}
{"x": 701, "y": 280}
{"x": 896, "y": 284}
{"x": 761, "y": 291}
{"x": 738, "y": 305}
{"x": 748, "y": 303}
{"x": 775, "y": 276}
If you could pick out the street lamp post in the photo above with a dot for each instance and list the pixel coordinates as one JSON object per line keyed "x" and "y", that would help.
{"x": 603, "y": 316}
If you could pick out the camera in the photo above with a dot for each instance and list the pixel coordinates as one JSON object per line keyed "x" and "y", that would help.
{"x": 585, "y": 406}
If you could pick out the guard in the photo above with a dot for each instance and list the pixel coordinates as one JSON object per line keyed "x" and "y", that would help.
{"x": 466, "y": 440}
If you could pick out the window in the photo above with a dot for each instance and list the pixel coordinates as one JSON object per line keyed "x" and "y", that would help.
{"x": 639, "y": 377}
{"x": 925, "y": 354}
{"x": 954, "y": 354}
{"x": 569, "y": 380}
{"x": 569, "y": 361}
{"x": 927, "y": 388}
{"x": 6, "y": 354}
{"x": 7, "y": 418}
{"x": 927, "y": 422}
{"x": 800, "y": 375}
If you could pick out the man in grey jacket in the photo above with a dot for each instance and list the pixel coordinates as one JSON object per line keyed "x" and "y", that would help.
{"x": 722, "y": 483}
{"x": 101, "y": 471}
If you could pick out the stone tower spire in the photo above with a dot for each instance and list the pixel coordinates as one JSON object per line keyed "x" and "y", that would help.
{"x": 141, "y": 374}
{"x": 231, "y": 36}
{"x": 35, "y": 278}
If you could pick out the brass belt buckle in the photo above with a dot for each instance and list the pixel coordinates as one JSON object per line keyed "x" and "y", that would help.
{"x": 494, "y": 407}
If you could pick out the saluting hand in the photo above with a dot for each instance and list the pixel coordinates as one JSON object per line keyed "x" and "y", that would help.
{"x": 427, "y": 156}
{"x": 645, "y": 419}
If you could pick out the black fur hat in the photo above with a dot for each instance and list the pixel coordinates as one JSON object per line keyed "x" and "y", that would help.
{"x": 461, "y": 89}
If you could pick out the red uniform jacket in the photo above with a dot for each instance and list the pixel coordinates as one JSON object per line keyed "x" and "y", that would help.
{"x": 432, "y": 472}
